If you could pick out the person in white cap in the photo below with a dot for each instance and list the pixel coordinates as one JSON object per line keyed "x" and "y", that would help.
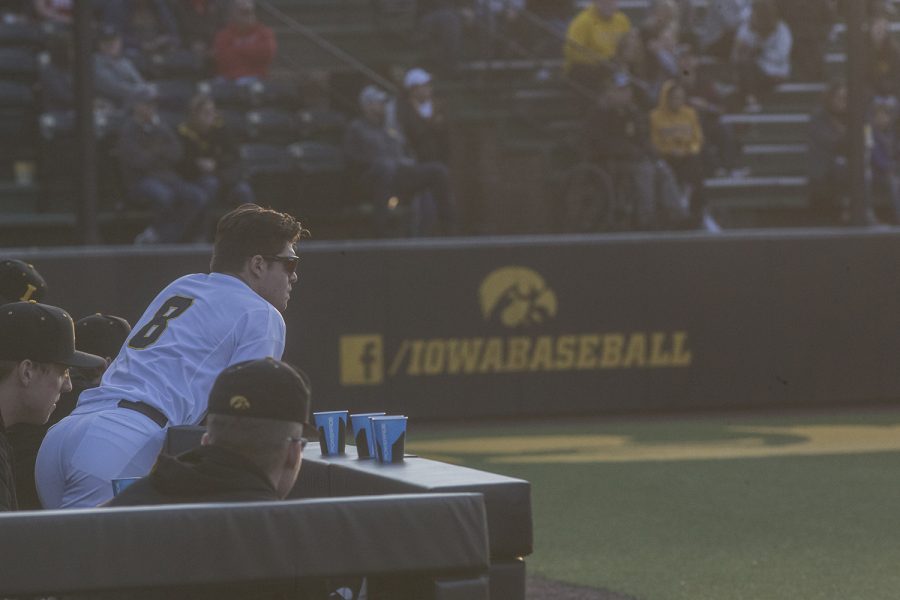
{"x": 387, "y": 167}
{"x": 421, "y": 119}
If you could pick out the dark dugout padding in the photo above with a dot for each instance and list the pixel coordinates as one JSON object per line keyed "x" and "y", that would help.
{"x": 507, "y": 499}
{"x": 79, "y": 551}
{"x": 560, "y": 325}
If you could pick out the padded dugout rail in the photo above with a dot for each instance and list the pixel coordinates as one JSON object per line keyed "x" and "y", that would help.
{"x": 507, "y": 499}
{"x": 180, "y": 545}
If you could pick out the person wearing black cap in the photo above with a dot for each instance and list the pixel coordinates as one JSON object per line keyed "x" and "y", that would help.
{"x": 20, "y": 281}
{"x": 37, "y": 347}
{"x": 252, "y": 449}
{"x": 97, "y": 334}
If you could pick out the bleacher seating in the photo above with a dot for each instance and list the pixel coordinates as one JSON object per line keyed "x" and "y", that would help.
{"x": 522, "y": 98}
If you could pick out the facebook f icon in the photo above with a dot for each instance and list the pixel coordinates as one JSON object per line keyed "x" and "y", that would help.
{"x": 362, "y": 359}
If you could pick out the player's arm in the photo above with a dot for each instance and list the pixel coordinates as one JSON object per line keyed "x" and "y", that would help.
{"x": 259, "y": 333}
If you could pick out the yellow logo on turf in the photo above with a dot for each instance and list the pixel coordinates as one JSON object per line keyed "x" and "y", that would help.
{"x": 517, "y": 296}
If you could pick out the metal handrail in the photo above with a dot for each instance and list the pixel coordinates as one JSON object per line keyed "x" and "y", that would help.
{"x": 327, "y": 46}
{"x": 581, "y": 90}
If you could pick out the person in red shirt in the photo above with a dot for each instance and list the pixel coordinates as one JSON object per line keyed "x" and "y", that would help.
{"x": 245, "y": 48}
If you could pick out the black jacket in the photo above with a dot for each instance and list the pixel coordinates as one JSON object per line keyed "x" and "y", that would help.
{"x": 26, "y": 439}
{"x": 205, "y": 474}
{"x": 618, "y": 133}
{"x": 7, "y": 478}
{"x": 428, "y": 138}
{"x": 216, "y": 144}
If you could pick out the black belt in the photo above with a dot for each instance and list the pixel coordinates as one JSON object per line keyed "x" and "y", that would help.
{"x": 146, "y": 410}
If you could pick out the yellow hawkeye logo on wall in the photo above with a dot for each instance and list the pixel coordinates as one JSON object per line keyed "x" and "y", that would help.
{"x": 517, "y": 298}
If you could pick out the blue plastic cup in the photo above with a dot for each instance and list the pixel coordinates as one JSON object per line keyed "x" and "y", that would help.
{"x": 332, "y": 426}
{"x": 390, "y": 438}
{"x": 362, "y": 432}
{"x": 119, "y": 485}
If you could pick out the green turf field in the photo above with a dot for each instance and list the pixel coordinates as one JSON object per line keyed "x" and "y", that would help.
{"x": 741, "y": 506}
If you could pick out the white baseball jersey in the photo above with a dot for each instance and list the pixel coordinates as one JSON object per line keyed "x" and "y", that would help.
{"x": 193, "y": 329}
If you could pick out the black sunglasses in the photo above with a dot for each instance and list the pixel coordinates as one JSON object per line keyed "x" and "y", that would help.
{"x": 289, "y": 262}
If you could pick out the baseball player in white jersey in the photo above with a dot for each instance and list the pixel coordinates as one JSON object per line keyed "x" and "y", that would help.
{"x": 195, "y": 328}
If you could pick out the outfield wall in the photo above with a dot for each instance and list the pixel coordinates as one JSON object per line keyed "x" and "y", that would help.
{"x": 561, "y": 325}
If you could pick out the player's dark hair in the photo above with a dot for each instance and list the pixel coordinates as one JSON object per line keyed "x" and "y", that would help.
{"x": 249, "y": 230}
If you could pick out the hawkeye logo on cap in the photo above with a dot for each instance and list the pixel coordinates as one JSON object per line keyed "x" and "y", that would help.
{"x": 239, "y": 403}
{"x": 517, "y": 296}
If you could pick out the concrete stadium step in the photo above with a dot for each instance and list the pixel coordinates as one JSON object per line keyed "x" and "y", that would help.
{"x": 774, "y": 159}
{"x": 749, "y": 128}
{"x": 740, "y": 193}
{"x": 768, "y": 128}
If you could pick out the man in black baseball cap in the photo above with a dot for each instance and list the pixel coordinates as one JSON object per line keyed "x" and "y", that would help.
{"x": 252, "y": 449}
{"x": 98, "y": 334}
{"x": 20, "y": 281}
{"x": 37, "y": 347}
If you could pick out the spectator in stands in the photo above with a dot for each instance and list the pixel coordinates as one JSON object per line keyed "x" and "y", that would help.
{"x": 149, "y": 153}
{"x": 420, "y": 118}
{"x": 57, "y": 85}
{"x": 663, "y": 52}
{"x": 829, "y": 183}
{"x": 116, "y": 79}
{"x": 147, "y": 26}
{"x": 810, "y": 23}
{"x": 618, "y": 138}
{"x": 37, "y": 347}
{"x": 252, "y": 449}
{"x": 720, "y": 148}
{"x": 715, "y": 33}
{"x": 631, "y": 58}
{"x": 100, "y": 335}
{"x": 20, "y": 282}
{"x": 662, "y": 15}
{"x": 54, "y": 11}
{"x": 884, "y": 154}
{"x": 591, "y": 40}
{"x": 211, "y": 158}
{"x": 762, "y": 53}
{"x": 678, "y": 138}
{"x": 383, "y": 160}
{"x": 884, "y": 58}
{"x": 245, "y": 48}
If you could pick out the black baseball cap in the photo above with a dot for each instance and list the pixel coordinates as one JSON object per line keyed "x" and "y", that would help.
{"x": 20, "y": 281}
{"x": 102, "y": 335}
{"x": 42, "y": 333}
{"x": 264, "y": 388}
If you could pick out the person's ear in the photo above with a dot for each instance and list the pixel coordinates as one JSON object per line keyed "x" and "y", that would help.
{"x": 26, "y": 372}
{"x": 204, "y": 441}
{"x": 256, "y": 265}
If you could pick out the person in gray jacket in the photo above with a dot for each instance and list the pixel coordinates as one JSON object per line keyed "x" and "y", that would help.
{"x": 386, "y": 166}
{"x": 116, "y": 79}
{"x": 149, "y": 153}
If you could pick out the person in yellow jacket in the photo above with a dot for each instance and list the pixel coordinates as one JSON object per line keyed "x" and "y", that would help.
{"x": 678, "y": 138}
{"x": 592, "y": 37}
